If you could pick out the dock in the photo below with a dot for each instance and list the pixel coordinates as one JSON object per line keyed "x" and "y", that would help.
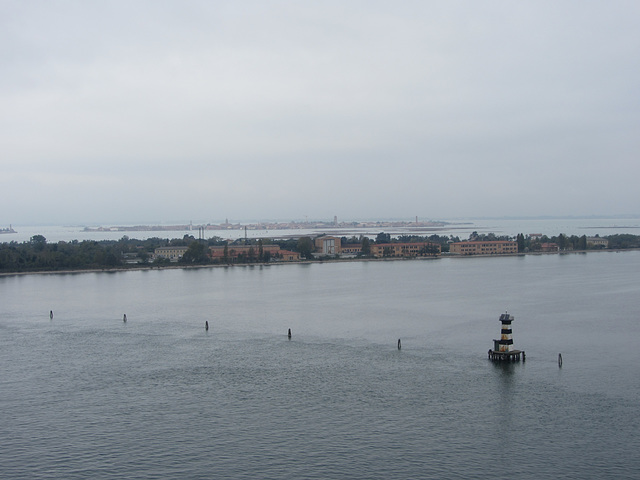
{"x": 511, "y": 356}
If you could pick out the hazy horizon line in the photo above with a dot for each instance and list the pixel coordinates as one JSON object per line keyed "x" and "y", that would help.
{"x": 326, "y": 220}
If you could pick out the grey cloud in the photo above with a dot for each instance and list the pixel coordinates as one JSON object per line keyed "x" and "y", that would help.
{"x": 369, "y": 108}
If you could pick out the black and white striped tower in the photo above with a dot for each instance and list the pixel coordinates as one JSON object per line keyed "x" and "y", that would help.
{"x": 506, "y": 340}
{"x": 503, "y": 348}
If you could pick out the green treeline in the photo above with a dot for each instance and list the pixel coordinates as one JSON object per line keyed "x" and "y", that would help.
{"x": 574, "y": 242}
{"x": 39, "y": 255}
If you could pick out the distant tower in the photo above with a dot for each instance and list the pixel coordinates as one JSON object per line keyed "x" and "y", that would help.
{"x": 335, "y": 220}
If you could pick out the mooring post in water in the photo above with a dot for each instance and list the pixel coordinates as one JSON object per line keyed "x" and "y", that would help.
{"x": 206, "y": 325}
{"x": 560, "y": 360}
{"x": 289, "y": 334}
{"x": 124, "y": 318}
{"x": 51, "y": 314}
{"x": 399, "y": 344}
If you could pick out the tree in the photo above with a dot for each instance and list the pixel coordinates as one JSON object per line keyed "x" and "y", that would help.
{"x": 383, "y": 238}
{"x": 353, "y": 240}
{"x": 430, "y": 249}
{"x": 38, "y": 242}
{"x": 216, "y": 241}
{"x": 574, "y": 242}
{"x": 305, "y": 247}
{"x": 623, "y": 240}
{"x": 583, "y": 243}
{"x": 111, "y": 259}
{"x": 366, "y": 246}
{"x": 196, "y": 253}
{"x": 562, "y": 241}
{"x": 520, "y": 241}
{"x": 144, "y": 257}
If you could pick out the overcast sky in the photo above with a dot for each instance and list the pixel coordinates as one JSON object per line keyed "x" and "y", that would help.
{"x": 162, "y": 111}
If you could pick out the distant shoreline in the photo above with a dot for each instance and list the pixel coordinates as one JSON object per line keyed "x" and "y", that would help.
{"x": 274, "y": 226}
{"x": 301, "y": 262}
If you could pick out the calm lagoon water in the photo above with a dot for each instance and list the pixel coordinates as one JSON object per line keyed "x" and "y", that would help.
{"x": 86, "y": 395}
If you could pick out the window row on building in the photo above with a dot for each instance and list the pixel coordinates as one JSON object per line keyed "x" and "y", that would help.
{"x": 327, "y": 245}
{"x": 324, "y": 245}
{"x": 172, "y": 254}
{"x": 497, "y": 247}
{"x": 417, "y": 249}
{"x": 231, "y": 252}
{"x": 597, "y": 242}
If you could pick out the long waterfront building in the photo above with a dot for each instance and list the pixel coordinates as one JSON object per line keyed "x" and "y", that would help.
{"x": 496, "y": 247}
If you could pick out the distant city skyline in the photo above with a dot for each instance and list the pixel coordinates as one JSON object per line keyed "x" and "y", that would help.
{"x": 162, "y": 112}
{"x": 240, "y": 223}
